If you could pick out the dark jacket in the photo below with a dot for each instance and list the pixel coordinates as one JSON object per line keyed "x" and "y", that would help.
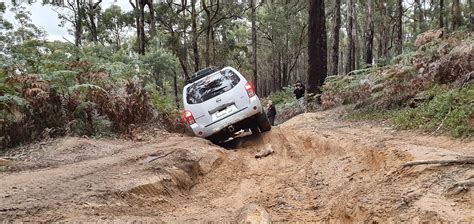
{"x": 271, "y": 111}
{"x": 299, "y": 92}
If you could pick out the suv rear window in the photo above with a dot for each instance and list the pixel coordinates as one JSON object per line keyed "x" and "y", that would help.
{"x": 211, "y": 86}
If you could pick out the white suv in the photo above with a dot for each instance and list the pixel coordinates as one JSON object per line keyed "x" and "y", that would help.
{"x": 220, "y": 103}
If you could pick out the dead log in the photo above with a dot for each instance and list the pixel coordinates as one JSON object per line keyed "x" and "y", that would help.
{"x": 460, "y": 160}
{"x": 154, "y": 157}
{"x": 460, "y": 186}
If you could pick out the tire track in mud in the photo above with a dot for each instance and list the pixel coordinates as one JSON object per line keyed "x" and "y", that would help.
{"x": 336, "y": 172}
{"x": 321, "y": 170}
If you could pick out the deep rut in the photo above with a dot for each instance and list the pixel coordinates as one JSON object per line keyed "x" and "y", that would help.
{"x": 321, "y": 170}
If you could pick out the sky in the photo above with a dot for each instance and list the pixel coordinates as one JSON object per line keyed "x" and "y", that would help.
{"x": 45, "y": 17}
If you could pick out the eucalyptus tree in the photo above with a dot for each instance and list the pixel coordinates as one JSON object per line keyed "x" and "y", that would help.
{"x": 317, "y": 47}
{"x": 336, "y": 39}
{"x": 399, "y": 27}
{"x": 114, "y": 26}
{"x": 351, "y": 51}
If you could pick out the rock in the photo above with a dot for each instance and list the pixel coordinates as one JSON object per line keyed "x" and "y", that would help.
{"x": 266, "y": 151}
{"x": 253, "y": 213}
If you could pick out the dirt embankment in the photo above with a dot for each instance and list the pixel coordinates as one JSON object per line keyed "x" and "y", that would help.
{"x": 321, "y": 170}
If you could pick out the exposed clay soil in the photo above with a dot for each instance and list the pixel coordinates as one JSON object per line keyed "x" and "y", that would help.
{"x": 322, "y": 169}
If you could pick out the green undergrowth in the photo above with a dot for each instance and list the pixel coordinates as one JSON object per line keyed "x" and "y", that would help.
{"x": 429, "y": 89}
{"x": 450, "y": 110}
{"x": 285, "y": 104}
{"x": 447, "y": 111}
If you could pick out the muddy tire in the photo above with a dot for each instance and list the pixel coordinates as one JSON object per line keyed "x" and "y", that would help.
{"x": 264, "y": 123}
{"x": 255, "y": 130}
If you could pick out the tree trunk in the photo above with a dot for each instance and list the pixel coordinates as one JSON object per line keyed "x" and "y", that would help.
{"x": 350, "y": 62}
{"x": 335, "y": 44}
{"x": 137, "y": 20}
{"x": 184, "y": 61}
{"x": 184, "y": 66}
{"x": 138, "y": 9}
{"x": 441, "y": 13}
{"x": 141, "y": 25}
{"x": 207, "y": 56}
{"x": 175, "y": 87}
{"x": 78, "y": 23}
{"x": 384, "y": 36}
{"x": 317, "y": 48}
{"x": 274, "y": 70}
{"x": 355, "y": 36}
{"x": 456, "y": 12}
{"x": 151, "y": 7}
{"x": 285, "y": 71}
{"x": 369, "y": 35}
{"x": 419, "y": 16}
{"x": 399, "y": 28}
{"x": 280, "y": 84}
{"x": 195, "y": 35}
{"x": 254, "y": 45}
{"x": 93, "y": 27}
{"x": 91, "y": 12}
{"x": 214, "y": 53}
{"x": 341, "y": 64}
{"x": 471, "y": 5}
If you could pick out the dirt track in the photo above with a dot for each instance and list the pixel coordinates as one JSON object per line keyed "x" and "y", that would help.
{"x": 322, "y": 170}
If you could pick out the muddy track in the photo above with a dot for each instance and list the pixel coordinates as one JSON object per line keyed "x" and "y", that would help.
{"x": 321, "y": 170}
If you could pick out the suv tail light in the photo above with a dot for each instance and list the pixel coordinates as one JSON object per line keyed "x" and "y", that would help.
{"x": 188, "y": 116}
{"x": 249, "y": 89}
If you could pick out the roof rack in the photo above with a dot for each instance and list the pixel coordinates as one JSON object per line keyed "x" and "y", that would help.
{"x": 203, "y": 73}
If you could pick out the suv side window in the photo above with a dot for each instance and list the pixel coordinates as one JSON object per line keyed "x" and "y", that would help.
{"x": 211, "y": 86}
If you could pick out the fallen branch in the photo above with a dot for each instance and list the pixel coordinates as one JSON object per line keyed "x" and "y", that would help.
{"x": 461, "y": 186}
{"x": 161, "y": 156}
{"x": 461, "y": 160}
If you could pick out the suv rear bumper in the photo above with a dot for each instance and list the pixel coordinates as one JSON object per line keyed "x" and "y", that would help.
{"x": 239, "y": 120}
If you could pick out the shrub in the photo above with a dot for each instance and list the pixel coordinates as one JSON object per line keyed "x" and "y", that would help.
{"x": 283, "y": 97}
{"x": 91, "y": 105}
{"x": 449, "y": 110}
{"x": 408, "y": 92}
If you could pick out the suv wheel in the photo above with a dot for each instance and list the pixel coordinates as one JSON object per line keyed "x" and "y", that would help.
{"x": 264, "y": 123}
{"x": 255, "y": 129}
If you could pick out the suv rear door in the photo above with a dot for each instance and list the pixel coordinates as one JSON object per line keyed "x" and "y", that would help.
{"x": 216, "y": 97}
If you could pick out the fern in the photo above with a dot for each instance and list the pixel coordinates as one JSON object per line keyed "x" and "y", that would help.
{"x": 8, "y": 100}
{"x": 117, "y": 70}
{"x": 61, "y": 80}
{"x": 6, "y": 89}
{"x": 85, "y": 88}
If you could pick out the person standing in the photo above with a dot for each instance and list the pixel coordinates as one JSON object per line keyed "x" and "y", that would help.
{"x": 299, "y": 90}
{"x": 271, "y": 112}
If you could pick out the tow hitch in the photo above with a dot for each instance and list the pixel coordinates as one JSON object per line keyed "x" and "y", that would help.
{"x": 231, "y": 129}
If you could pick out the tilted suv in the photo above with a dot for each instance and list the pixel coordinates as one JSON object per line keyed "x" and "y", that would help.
{"x": 220, "y": 102}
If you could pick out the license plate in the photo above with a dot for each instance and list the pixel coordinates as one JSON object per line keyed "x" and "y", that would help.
{"x": 223, "y": 112}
